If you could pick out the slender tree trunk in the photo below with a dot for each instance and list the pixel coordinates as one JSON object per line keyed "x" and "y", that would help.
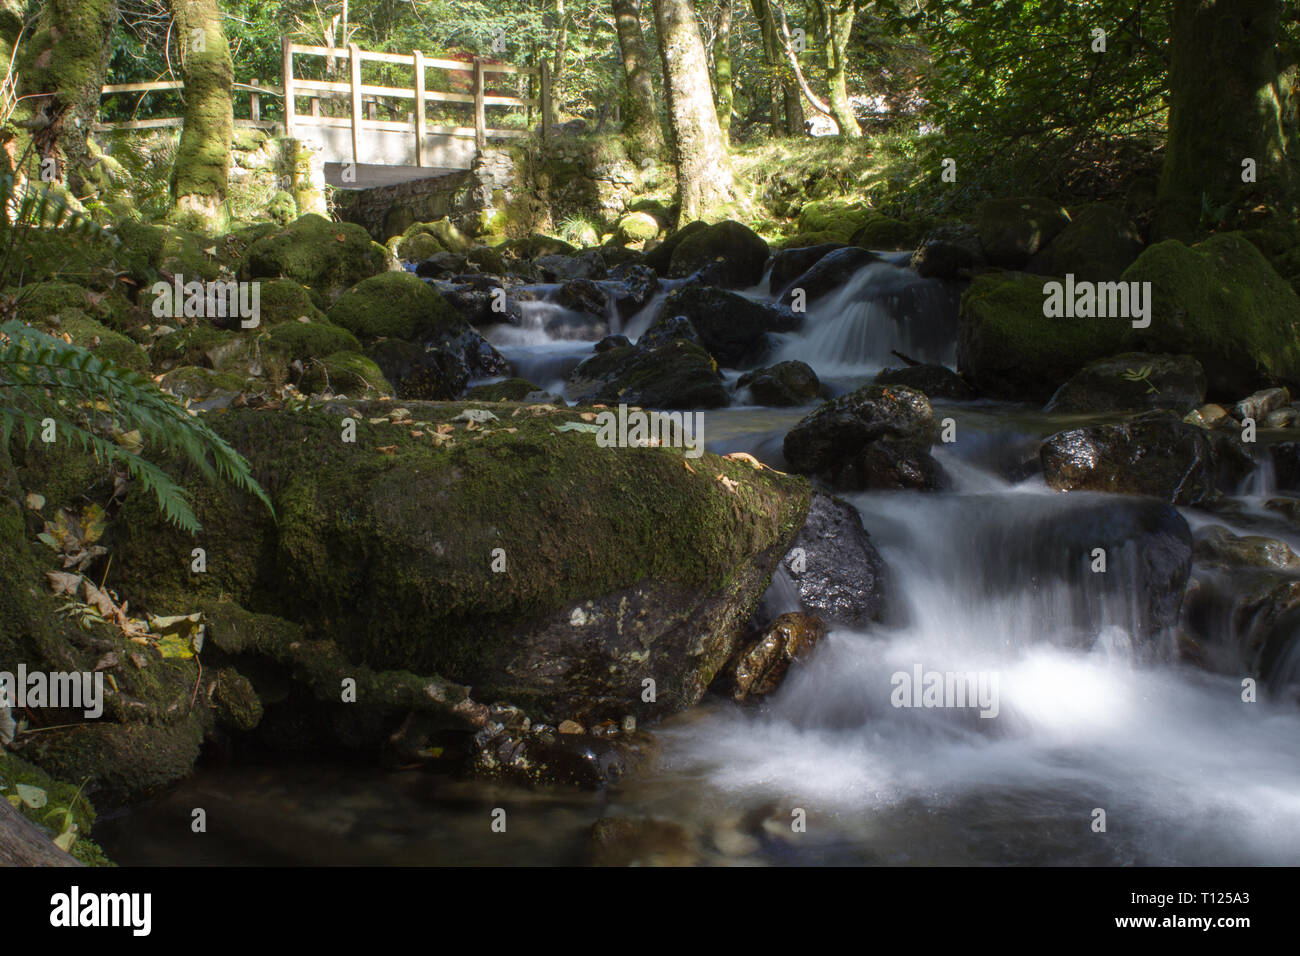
{"x": 61, "y": 70}
{"x": 640, "y": 115}
{"x": 724, "y": 93}
{"x": 839, "y": 27}
{"x": 199, "y": 176}
{"x": 703, "y": 168}
{"x": 1225, "y": 107}
{"x": 561, "y": 39}
{"x": 784, "y": 90}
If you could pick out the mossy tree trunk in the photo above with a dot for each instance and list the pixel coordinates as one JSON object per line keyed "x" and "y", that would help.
{"x": 199, "y": 176}
{"x": 641, "y": 123}
{"x": 703, "y": 168}
{"x": 1225, "y": 106}
{"x": 12, "y": 138}
{"x": 61, "y": 67}
{"x": 838, "y": 19}
{"x": 787, "y": 109}
{"x": 723, "y": 91}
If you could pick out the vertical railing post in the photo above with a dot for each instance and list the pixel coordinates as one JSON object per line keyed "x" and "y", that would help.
{"x": 545, "y": 77}
{"x": 287, "y": 80}
{"x": 419, "y": 108}
{"x": 480, "y": 108}
{"x": 354, "y": 59}
{"x": 254, "y": 102}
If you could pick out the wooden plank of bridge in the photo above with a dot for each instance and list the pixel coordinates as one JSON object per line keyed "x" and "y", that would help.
{"x": 419, "y": 108}
{"x": 480, "y": 112}
{"x": 355, "y": 64}
{"x": 287, "y": 74}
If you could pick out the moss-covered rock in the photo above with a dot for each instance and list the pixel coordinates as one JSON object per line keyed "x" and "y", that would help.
{"x": 172, "y": 249}
{"x": 1222, "y": 303}
{"x": 509, "y": 390}
{"x": 637, "y": 227}
{"x": 1012, "y": 230}
{"x": 104, "y": 342}
{"x": 679, "y": 374}
{"x": 1007, "y": 348}
{"x": 282, "y": 208}
{"x": 620, "y": 563}
{"x": 346, "y": 373}
{"x": 394, "y": 305}
{"x": 885, "y": 232}
{"x": 309, "y": 340}
{"x": 726, "y": 253}
{"x": 200, "y": 384}
{"x": 42, "y": 300}
{"x": 326, "y": 257}
{"x": 283, "y": 300}
{"x": 1098, "y": 244}
{"x": 837, "y": 218}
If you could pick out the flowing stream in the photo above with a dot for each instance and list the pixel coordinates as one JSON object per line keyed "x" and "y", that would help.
{"x": 1090, "y": 715}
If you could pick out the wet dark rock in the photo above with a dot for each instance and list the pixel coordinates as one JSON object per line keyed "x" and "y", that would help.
{"x": 640, "y": 842}
{"x": 876, "y": 437}
{"x": 563, "y": 268}
{"x": 1097, "y": 245}
{"x": 838, "y": 572}
{"x": 679, "y": 374}
{"x": 727, "y": 254}
{"x": 1150, "y": 455}
{"x": 582, "y": 295}
{"x": 1244, "y": 621}
{"x": 947, "y": 252}
{"x": 1260, "y": 404}
{"x": 665, "y": 329}
{"x": 782, "y": 385}
{"x": 733, "y": 328}
{"x": 480, "y": 358}
{"x": 789, "y": 264}
{"x": 442, "y": 265}
{"x": 474, "y": 297}
{"x": 588, "y": 760}
{"x": 661, "y": 256}
{"x": 829, "y": 273}
{"x": 758, "y": 668}
{"x": 1286, "y": 465}
{"x": 1218, "y": 546}
{"x": 637, "y": 285}
{"x": 613, "y": 342}
{"x": 1133, "y": 382}
{"x": 417, "y": 371}
{"x": 934, "y": 381}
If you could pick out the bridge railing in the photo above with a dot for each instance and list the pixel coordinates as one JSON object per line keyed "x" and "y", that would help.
{"x": 418, "y": 93}
{"x": 360, "y": 95}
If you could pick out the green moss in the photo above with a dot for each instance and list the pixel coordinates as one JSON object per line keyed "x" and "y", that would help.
{"x": 1009, "y": 349}
{"x": 107, "y": 344}
{"x": 487, "y": 259}
{"x": 418, "y": 247}
{"x": 1222, "y": 303}
{"x": 884, "y": 232}
{"x": 198, "y": 384}
{"x": 283, "y": 300}
{"x": 172, "y": 249}
{"x": 326, "y": 257}
{"x": 15, "y": 770}
{"x": 190, "y": 346}
{"x": 306, "y": 340}
{"x": 510, "y": 390}
{"x": 804, "y": 240}
{"x": 346, "y": 373}
{"x": 394, "y": 305}
{"x": 42, "y": 300}
{"x": 840, "y": 218}
{"x": 282, "y": 208}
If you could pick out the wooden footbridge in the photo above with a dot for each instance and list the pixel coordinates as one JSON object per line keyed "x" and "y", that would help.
{"x": 372, "y": 134}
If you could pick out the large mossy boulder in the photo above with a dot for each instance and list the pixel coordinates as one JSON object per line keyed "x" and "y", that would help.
{"x": 834, "y": 217}
{"x": 345, "y": 373}
{"x": 518, "y": 556}
{"x": 677, "y": 374}
{"x": 726, "y": 253}
{"x": 1007, "y": 347}
{"x": 733, "y": 328}
{"x": 885, "y": 232}
{"x": 1133, "y": 382}
{"x": 791, "y": 261}
{"x": 1098, "y": 244}
{"x": 326, "y": 257}
{"x": 283, "y": 300}
{"x": 828, "y": 273}
{"x": 308, "y": 340}
{"x": 394, "y": 305}
{"x": 1222, "y": 303}
{"x": 878, "y": 437}
{"x": 104, "y": 342}
{"x": 1012, "y": 230}
{"x": 783, "y": 384}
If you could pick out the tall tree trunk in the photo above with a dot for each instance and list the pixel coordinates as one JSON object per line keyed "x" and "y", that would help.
{"x": 199, "y": 176}
{"x": 561, "y": 39}
{"x": 640, "y": 115}
{"x": 1225, "y": 106}
{"x": 784, "y": 90}
{"x": 724, "y": 93}
{"x": 703, "y": 168}
{"x": 61, "y": 70}
{"x": 839, "y": 27}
